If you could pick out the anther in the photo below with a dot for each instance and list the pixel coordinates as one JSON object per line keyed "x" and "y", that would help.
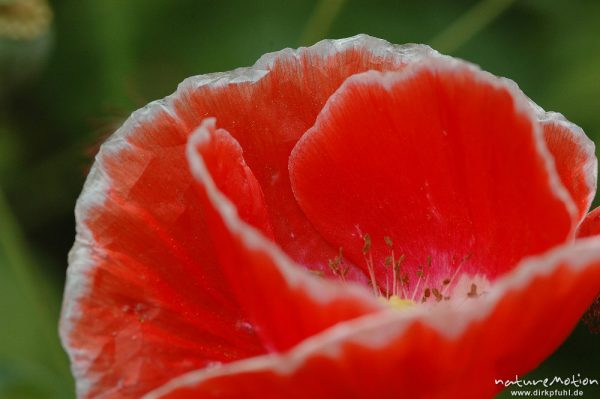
{"x": 426, "y": 295}
{"x": 367, "y": 246}
{"x": 420, "y": 271}
{"x": 319, "y": 273}
{"x": 338, "y": 267}
{"x": 473, "y": 291}
{"x": 388, "y": 241}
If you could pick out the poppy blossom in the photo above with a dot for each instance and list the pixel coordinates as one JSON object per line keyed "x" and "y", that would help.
{"x": 353, "y": 219}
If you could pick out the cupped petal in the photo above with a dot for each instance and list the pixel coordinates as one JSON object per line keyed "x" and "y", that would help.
{"x": 575, "y": 157}
{"x": 267, "y": 107}
{"x": 442, "y": 164}
{"x": 447, "y": 351}
{"x": 285, "y": 303}
{"x": 145, "y": 298}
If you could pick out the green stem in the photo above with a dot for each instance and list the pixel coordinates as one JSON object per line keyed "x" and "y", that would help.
{"x": 13, "y": 247}
{"x": 319, "y": 23}
{"x": 469, "y": 24}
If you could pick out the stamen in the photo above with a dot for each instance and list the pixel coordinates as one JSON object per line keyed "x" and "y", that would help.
{"x": 459, "y": 267}
{"x": 437, "y": 294}
{"x": 367, "y": 245}
{"x": 318, "y": 273}
{"x": 420, "y": 271}
{"x": 369, "y": 260}
{"x": 400, "y": 284}
{"x": 388, "y": 241}
{"x": 397, "y": 275}
{"x": 473, "y": 291}
{"x": 417, "y": 286}
{"x": 420, "y": 274}
{"x": 426, "y": 295}
{"x": 338, "y": 266}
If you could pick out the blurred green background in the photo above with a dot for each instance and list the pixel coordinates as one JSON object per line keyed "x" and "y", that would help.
{"x": 71, "y": 71}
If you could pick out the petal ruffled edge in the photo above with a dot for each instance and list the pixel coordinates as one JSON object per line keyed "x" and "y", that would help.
{"x": 582, "y": 142}
{"x": 324, "y": 48}
{"x": 583, "y": 147}
{"x": 79, "y": 278}
{"x": 383, "y": 331}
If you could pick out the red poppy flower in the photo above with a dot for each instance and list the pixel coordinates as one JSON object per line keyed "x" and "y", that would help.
{"x": 349, "y": 220}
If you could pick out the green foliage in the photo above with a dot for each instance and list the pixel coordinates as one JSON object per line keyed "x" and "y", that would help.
{"x": 31, "y": 362}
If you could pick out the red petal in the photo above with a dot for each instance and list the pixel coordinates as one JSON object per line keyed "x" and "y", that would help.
{"x": 266, "y": 108}
{"x": 145, "y": 299}
{"x": 441, "y": 352}
{"x": 590, "y": 225}
{"x": 222, "y": 156}
{"x": 588, "y": 228}
{"x": 285, "y": 302}
{"x": 575, "y": 158}
{"x": 444, "y": 159}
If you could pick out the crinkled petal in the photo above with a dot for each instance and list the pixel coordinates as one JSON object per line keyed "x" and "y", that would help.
{"x": 434, "y": 353}
{"x": 446, "y": 161}
{"x": 574, "y": 154}
{"x": 285, "y": 303}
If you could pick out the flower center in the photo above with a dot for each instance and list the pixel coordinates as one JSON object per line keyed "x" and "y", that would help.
{"x": 399, "y": 303}
{"x": 405, "y": 283}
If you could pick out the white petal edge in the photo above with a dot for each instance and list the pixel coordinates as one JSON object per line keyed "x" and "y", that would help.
{"x": 378, "y": 330}
{"x": 590, "y": 167}
{"x": 437, "y": 62}
{"x": 81, "y": 268}
{"x": 579, "y": 137}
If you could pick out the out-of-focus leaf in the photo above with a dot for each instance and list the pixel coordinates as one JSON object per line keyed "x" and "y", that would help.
{"x": 29, "y": 346}
{"x": 9, "y": 150}
{"x": 21, "y": 379}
